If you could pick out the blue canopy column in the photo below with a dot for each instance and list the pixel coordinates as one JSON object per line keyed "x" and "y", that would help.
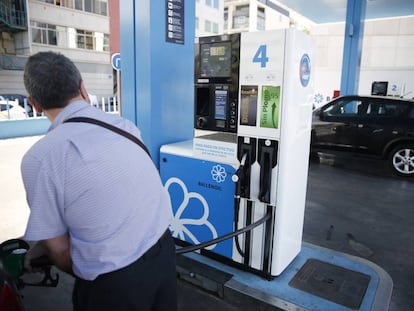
{"x": 157, "y": 69}
{"x": 354, "y": 33}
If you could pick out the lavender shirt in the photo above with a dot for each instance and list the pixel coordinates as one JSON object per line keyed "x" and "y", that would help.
{"x": 98, "y": 186}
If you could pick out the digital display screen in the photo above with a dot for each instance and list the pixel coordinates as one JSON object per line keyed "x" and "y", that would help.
{"x": 215, "y": 60}
{"x": 379, "y": 88}
{"x": 220, "y": 104}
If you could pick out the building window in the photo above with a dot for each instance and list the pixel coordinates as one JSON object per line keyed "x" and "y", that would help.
{"x": 43, "y": 33}
{"x": 216, "y": 4}
{"x": 106, "y": 43}
{"x": 215, "y": 28}
{"x": 196, "y": 23}
{"x": 208, "y": 2}
{"x": 241, "y": 17}
{"x": 66, "y": 3}
{"x": 207, "y": 26}
{"x": 84, "y": 39}
{"x": 261, "y": 21}
{"x": 226, "y": 18}
{"x": 79, "y": 5}
{"x": 68, "y": 37}
{"x": 92, "y": 6}
{"x": 97, "y": 6}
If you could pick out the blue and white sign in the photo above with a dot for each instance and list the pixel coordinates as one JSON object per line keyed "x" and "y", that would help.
{"x": 305, "y": 70}
{"x": 116, "y": 61}
{"x": 174, "y": 21}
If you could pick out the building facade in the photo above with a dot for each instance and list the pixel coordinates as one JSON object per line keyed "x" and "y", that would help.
{"x": 254, "y": 15}
{"x": 209, "y": 17}
{"x": 78, "y": 29}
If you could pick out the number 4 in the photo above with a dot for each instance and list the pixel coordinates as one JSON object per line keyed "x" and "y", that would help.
{"x": 261, "y": 56}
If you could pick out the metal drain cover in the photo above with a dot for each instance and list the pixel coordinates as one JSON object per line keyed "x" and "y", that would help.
{"x": 334, "y": 283}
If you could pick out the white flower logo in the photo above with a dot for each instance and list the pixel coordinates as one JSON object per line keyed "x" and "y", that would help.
{"x": 318, "y": 98}
{"x": 178, "y": 225}
{"x": 218, "y": 173}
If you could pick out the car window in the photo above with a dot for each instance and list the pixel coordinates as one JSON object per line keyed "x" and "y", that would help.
{"x": 387, "y": 109}
{"x": 344, "y": 108}
{"x": 411, "y": 113}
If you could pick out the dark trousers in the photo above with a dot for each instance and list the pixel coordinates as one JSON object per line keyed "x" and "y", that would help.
{"x": 148, "y": 284}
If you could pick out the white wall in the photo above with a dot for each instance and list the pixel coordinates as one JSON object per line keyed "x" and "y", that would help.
{"x": 388, "y": 50}
{"x": 275, "y": 20}
{"x": 11, "y": 82}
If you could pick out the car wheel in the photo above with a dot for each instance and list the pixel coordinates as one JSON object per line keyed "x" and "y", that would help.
{"x": 401, "y": 160}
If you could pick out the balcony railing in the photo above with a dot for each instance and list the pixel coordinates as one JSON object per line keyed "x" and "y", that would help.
{"x": 12, "y": 19}
{"x": 19, "y": 109}
{"x": 11, "y": 62}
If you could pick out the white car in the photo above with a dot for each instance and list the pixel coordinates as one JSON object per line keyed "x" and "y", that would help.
{"x": 93, "y": 100}
{"x": 11, "y": 110}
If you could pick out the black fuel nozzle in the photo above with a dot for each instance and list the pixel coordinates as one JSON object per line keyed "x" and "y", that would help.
{"x": 246, "y": 154}
{"x": 240, "y": 177}
{"x": 267, "y": 160}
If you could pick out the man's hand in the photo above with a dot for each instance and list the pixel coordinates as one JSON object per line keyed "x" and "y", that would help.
{"x": 57, "y": 249}
{"x": 36, "y": 251}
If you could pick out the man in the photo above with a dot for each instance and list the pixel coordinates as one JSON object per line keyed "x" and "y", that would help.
{"x": 97, "y": 206}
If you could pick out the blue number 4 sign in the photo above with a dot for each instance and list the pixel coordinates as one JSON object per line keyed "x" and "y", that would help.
{"x": 261, "y": 56}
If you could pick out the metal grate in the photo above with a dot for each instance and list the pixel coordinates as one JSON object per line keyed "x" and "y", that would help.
{"x": 331, "y": 282}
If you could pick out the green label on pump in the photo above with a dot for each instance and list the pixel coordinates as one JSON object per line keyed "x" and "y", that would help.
{"x": 269, "y": 110}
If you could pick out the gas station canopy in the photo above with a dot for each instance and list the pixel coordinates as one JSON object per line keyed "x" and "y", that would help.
{"x": 330, "y": 11}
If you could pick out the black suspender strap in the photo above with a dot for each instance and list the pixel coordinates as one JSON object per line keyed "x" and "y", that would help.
{"x": 111, "y": 128}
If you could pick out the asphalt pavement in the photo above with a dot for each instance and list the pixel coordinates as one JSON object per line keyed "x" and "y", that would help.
{"x": 357, "y": 206}
{"x": 353, "y": 206}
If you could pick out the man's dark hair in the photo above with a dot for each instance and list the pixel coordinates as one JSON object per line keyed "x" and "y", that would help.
{"x": 51, "y": 79}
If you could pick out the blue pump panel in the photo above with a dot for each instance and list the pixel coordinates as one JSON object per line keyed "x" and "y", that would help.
{"x": 201, "y": 194}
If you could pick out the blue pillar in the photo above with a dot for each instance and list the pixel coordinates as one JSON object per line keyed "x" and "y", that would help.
{"x": 354, "y": 33}
{"x": 157, "y": 73}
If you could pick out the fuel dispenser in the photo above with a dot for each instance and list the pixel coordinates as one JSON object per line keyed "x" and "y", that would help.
{"x": 238, "y": 188}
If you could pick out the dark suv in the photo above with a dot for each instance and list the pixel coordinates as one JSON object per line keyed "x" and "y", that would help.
{"x": 373, "y": 126}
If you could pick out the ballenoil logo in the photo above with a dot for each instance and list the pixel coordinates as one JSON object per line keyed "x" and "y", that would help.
{"x": 218, "y": 173}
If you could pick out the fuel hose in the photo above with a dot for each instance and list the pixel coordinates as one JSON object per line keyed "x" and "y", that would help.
{"x": 192, "y": 248}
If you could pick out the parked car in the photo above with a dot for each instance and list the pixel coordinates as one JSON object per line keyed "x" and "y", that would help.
{"x": 108, "y": 103}
{"x": 10, "y": 298}
{"x": 20, "y": 98}
{"x": 93, "y": 99}
{"x": 10, "y": 109}
{"x": 372, "y": 126}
